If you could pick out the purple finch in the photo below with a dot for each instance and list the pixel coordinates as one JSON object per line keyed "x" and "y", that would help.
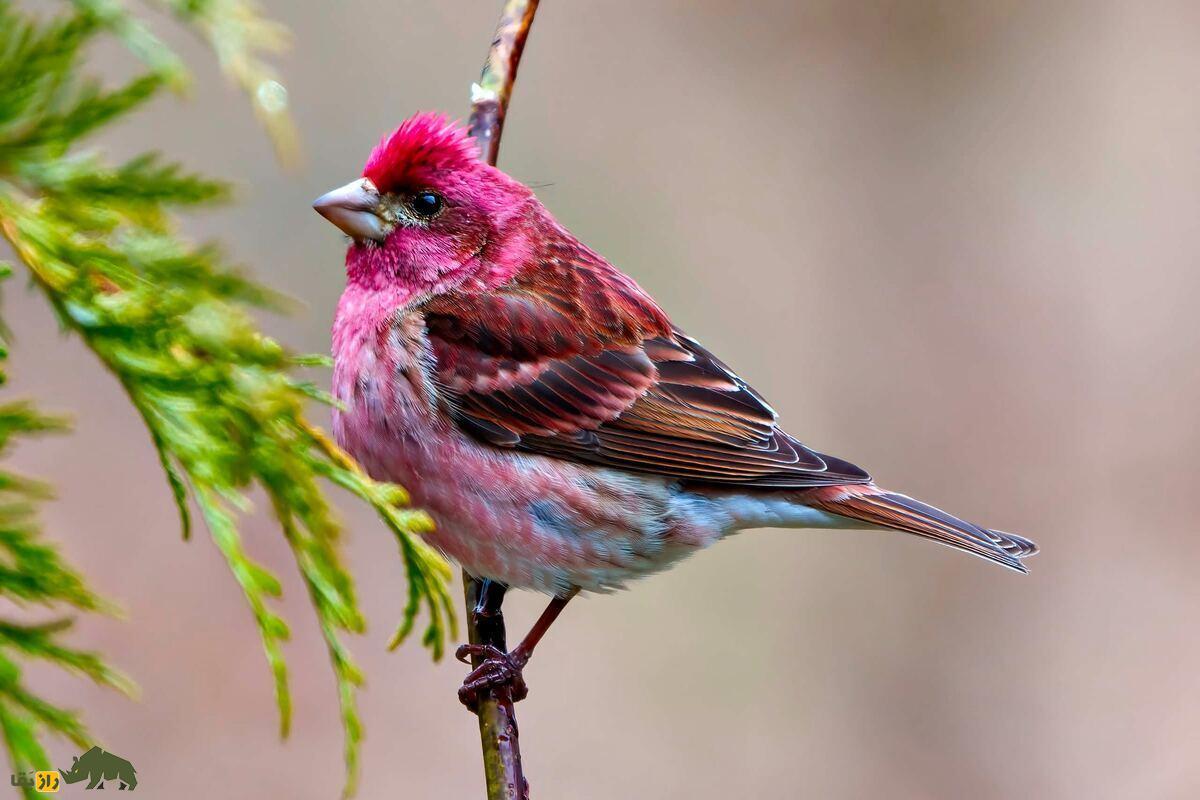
{"x": 562, "y": 432}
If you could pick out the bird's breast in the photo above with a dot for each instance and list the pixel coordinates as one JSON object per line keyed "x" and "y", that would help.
{"x": 383, "y": 381}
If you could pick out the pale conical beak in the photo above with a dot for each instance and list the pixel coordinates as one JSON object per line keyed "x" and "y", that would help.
{"x": 353, "y": 209}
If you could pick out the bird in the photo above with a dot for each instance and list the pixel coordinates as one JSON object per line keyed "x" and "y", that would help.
{"x": 562, "y": 432}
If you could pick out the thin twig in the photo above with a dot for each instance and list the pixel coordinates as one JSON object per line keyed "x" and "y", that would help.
{"x": 497, "y": 718}
{"x": 489, "y": 97}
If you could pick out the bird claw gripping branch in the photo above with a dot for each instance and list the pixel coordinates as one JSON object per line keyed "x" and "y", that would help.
{"x": 499, "y": 669}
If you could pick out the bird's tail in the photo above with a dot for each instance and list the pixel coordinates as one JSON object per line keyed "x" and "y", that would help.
{"x": 885, "y": 509}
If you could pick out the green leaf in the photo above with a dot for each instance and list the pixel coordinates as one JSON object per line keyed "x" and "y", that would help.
{"x": 172, "y": 321}
{"x": 33, "y": 572}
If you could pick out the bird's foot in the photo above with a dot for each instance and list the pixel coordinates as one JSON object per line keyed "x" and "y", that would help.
{"x": 499, "y": 669}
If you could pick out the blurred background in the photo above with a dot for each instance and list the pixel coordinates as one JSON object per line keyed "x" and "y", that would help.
{"x": 954, "y": 242}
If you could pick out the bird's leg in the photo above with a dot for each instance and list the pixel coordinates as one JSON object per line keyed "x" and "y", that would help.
{"x": 497, "y": 667}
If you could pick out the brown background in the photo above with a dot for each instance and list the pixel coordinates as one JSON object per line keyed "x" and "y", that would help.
{"x": 954, "y": 242}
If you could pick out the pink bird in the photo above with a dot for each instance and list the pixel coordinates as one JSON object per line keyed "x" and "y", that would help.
{"x": 562, "y": 432}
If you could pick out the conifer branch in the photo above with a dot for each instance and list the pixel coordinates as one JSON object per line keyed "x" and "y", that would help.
{"x": 170, "y": 320}
{"x": 34, "y": 574}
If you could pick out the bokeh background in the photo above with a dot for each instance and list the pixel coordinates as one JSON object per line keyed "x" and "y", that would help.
{"x": 955, "y": 242}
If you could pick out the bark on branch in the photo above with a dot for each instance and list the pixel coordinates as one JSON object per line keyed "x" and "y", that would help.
{"x": 497, "y": 719}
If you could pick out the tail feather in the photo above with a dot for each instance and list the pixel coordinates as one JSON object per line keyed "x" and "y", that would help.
{"x": 899, "y": 512}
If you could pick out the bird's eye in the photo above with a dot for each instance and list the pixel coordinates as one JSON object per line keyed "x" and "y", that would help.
{"x": 426, "y": 204}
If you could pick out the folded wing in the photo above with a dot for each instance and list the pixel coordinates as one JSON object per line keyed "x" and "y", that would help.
{"x": 571, "y": 359}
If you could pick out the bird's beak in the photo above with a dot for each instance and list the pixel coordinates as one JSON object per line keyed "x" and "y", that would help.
{"x": 353, "y": 208}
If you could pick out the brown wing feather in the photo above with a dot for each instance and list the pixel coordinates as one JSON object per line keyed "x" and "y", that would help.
{"x": 571, "y": 359}
{"x": 899, "y": 512}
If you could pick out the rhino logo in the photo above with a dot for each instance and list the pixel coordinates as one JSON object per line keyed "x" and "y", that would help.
{"x": 98, "y": 766}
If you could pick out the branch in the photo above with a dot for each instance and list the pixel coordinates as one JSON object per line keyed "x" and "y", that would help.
{"x": 489, "y": 97}
{"x": 498, "y": 732}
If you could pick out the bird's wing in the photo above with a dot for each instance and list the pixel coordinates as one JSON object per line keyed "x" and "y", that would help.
{"x": 572, "y": 359}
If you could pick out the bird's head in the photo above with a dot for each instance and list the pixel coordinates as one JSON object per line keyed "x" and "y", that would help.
{"x": 428, "y": 215}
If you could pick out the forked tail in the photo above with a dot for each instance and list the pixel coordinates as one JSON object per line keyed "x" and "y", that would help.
{"x": 896, "y": 511}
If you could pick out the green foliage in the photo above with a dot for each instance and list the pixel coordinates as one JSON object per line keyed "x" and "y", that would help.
{"x": 33, "y": 573}
{"x": 169, "y": 319}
